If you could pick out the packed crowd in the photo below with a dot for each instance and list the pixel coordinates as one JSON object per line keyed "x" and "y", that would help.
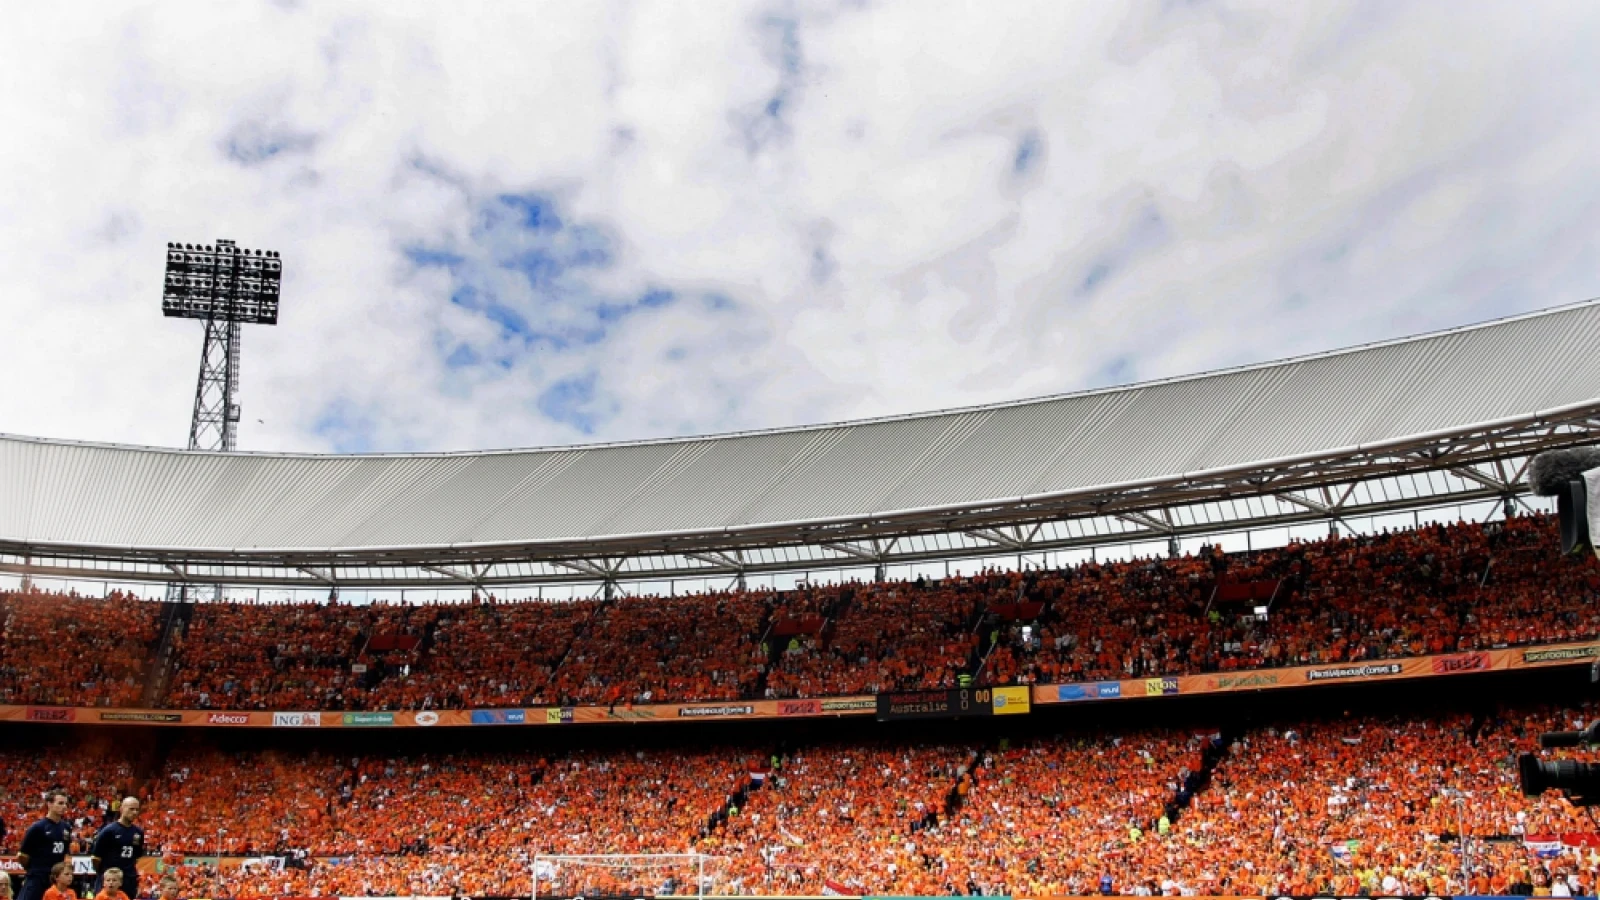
{"x": 62, "y": 648}
{"x": 488, "y": 655}
{"x": 845, "y": 812}
{"x": 97, "y": 771}
{"x": 1340, "y": 806}
{"x": 644, "y": 649}
{"x": 297, "y": 656}
{"x": 1403, "y": 593}
{"x": 890, "y": 637}
{"x": 1363, "y": 806}
{"x": 1363, "y": 597}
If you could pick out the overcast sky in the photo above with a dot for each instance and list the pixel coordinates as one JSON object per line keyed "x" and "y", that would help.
{"x": 514, "y": 224}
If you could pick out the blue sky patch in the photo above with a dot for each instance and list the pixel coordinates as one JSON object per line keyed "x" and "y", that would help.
{"x": 1096, "y": 276}
{"x": 572, "y": 402}
{"x": 253, "y": 144}
{"x": 769, "y": 123}
{"x": 1027, "y": 152}
{"x": 462, "y": 357}
{"x": 346, "y": 428}
{"x": 423, "y": 258}
{"x": 1144, "y": 232}
{"x": 1117, "y": 371}
{"x": 528, "y": 270}
{"x": 535, "y": 211}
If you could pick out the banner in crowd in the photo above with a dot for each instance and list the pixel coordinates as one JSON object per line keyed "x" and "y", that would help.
{"x": 941, "y": 897}
{"x": 1271, "y": 897}
{"x": 953, "y": 703}
{"x": 1306, "y": 897}
{"x": 1202, "y": 897}
{"x": 81, "y": 865}
{"x": 657, "y": 712}
{"x": 1333, "y": 673}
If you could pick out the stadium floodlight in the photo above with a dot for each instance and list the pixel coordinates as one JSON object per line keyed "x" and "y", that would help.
{"x": 224, "y": 286}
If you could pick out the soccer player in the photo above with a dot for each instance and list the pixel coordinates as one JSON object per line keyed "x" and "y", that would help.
{"x": 119, "y": 845}
{"x": 44, "y": 846}
{"x": 61, "y": 883}
{"x": 113, "y": 886}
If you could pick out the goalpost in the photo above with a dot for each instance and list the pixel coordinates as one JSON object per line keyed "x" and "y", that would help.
{"x": 593, "y": 875}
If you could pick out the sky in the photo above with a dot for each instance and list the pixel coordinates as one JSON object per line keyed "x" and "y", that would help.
{"x": 539, "y": 223}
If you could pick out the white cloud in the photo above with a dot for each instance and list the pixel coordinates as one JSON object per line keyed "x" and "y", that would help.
{"x": 857, "y": 209}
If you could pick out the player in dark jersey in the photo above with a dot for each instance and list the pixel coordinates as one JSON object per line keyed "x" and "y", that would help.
{"x": 119, "y": 846}
{"x": 45, "y": 844}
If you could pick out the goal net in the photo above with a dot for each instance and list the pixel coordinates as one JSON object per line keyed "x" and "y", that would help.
{"x": 627, "y": 875}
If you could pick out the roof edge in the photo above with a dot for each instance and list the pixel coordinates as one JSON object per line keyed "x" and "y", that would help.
{"x": 848, "y": 423}
{"x": 730, "y": 531}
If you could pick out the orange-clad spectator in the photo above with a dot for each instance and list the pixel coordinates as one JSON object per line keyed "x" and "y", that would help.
{"x": 294, "y": 656}
{"x": 1335, "y": 806}
{"x": 60, "y": 883}
{"x": 654, "y": 649}
{"x": 488, "y": 655}
{"x": 111, "y": 886}
{"x": 885, "y": 637}
{"x": 62, "y": 649}
{"x": 1430, "y": 590}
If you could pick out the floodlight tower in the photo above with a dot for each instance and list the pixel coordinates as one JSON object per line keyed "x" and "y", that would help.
{"x": 224, "y": 286}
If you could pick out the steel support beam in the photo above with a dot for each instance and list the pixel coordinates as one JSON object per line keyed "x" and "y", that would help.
{"x": 733, "y": 562}
{"x": 1298, "y": 491}
{"x": 1150, "y": 522}
{"x": 455, "y": 575}
{"x": 852, "y": 550}
{"x": 585, "y": 567}
{"x": 995, "y": 538}
{"x": 1471, "y": 473}
{"x": 324, "y": 577}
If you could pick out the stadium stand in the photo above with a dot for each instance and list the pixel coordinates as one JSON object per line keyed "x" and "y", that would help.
{"x": 300, "y": 656}
{"x": 62, "y": 648}
{"x": 1338, "y": 806}
{"x": 97, "y": 771}
{"x": 1429, "y": 590}
{"x": 643, "y": 649}
{"x": 488, "y": 655}
{"x": 1410, "y": 592}
{"x": 1325, "y": 805}
{"x": 885, "y": 637}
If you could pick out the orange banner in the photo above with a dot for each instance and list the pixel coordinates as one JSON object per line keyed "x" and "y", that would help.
{"x": 1332, "y": 673}
{"x": 659, "y": 712}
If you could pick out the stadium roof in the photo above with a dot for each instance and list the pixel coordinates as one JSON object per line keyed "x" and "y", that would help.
{"x": 1440, "y": 418}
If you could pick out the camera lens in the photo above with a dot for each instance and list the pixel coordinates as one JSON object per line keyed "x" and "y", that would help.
{"x": 1579, "y": 781}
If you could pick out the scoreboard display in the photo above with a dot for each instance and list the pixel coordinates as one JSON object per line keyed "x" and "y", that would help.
{"x": 953, "y": 704}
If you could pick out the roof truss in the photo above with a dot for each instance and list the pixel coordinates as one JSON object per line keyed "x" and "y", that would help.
{"x": 1475, "y": 464}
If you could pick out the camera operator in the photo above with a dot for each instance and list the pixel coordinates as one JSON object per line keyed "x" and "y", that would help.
{"x": 1573, "y": 478}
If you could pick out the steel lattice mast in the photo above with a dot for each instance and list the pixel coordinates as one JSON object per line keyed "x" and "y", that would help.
{"x": 225, "y": 287}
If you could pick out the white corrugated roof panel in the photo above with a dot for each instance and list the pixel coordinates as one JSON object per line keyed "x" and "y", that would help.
{"x": 71, "y": 494}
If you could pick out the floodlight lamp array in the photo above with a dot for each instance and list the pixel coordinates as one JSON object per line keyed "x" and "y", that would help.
{"x": 222, "y": 281}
